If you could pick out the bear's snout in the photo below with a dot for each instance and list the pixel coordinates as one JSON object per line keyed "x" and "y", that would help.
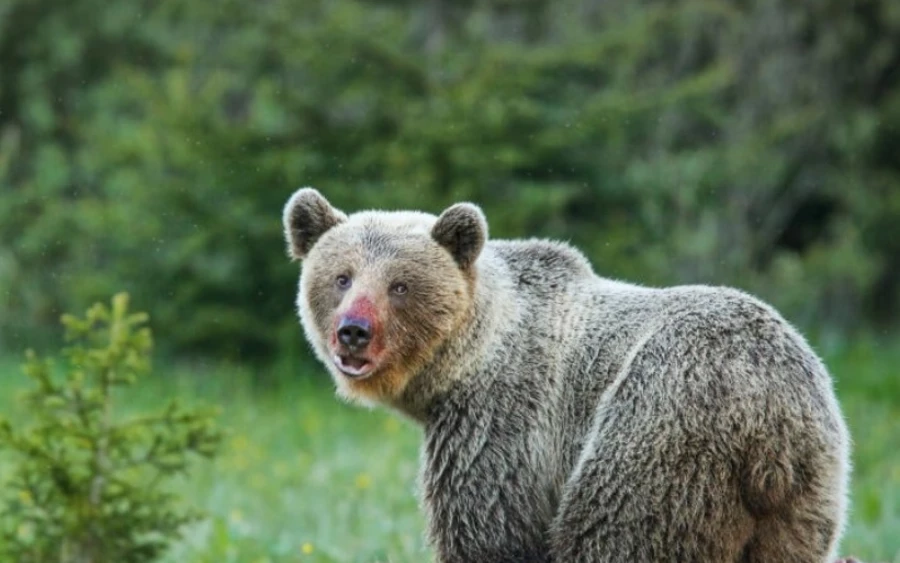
{"x": 355, "y": 333}
{"x": 351, "y": 358}
{"x": 356, "y": 345}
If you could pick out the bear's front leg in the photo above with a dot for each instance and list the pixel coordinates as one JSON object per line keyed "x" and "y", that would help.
{"x": 485, "y": 494}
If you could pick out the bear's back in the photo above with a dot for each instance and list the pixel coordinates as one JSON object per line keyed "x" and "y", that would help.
{"x": 543, "y": 264}
{"x": 576, "y": 332}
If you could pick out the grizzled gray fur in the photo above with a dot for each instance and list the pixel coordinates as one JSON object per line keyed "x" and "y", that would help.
{"x": 568, "y": 417}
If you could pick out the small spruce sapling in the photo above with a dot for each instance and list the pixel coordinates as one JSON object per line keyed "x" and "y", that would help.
{"x": 89, "y": 486}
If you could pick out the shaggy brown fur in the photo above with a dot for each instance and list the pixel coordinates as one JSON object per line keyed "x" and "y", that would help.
{"x": 568, "y": 417}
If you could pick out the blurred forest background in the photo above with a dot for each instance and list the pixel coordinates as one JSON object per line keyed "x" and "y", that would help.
{"x": 149, "y": 145}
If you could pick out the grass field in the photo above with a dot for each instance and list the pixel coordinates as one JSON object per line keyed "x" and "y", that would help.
{"x": 305, "y": 478}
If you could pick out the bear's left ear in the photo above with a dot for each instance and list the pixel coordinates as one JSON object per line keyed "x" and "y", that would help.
{"x": 307, "y": 216}
{"x": 461, "y": 229}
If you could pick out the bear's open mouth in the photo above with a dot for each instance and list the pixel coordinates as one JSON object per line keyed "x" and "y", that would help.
{"x": 353, "y": 366}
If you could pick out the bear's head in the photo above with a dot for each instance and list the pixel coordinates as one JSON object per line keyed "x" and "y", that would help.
{"x": 381, "y": 292}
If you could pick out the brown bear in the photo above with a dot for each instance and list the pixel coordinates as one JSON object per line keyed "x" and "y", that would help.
{"x": 568, "y": 417}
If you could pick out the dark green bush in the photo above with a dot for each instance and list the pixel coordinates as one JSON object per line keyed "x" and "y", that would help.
{"x": 150, "y": 146}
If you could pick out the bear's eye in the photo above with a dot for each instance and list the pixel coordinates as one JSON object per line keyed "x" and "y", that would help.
{"x": 343, "y": 281}
{"x": 399, "y": 288}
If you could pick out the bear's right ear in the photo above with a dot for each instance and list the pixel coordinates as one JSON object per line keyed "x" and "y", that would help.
{"x": 461, "y": 229}
{"x": 307, "y": 216}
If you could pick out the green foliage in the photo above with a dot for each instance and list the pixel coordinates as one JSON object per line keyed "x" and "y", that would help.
{"x": 151, "y": 146}
{"x": 306, "y": 478}
{"x": 89, "y": 485}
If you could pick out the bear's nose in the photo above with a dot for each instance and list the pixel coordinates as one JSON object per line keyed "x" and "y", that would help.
{"x": 355, "y": 333}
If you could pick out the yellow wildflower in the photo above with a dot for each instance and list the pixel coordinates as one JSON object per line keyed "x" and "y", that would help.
{"x": 239, "y": 443}
{"x": 391, "y": 425}
{"x": 363, "y": 481}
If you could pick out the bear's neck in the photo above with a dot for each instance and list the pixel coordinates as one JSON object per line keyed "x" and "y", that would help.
{"x": 461, "y": 358}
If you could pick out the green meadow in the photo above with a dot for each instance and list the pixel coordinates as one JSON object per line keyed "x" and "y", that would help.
{"x": 304, "y": 477}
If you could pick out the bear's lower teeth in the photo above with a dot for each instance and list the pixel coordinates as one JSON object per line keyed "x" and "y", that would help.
{"x": 355, "y": 363}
